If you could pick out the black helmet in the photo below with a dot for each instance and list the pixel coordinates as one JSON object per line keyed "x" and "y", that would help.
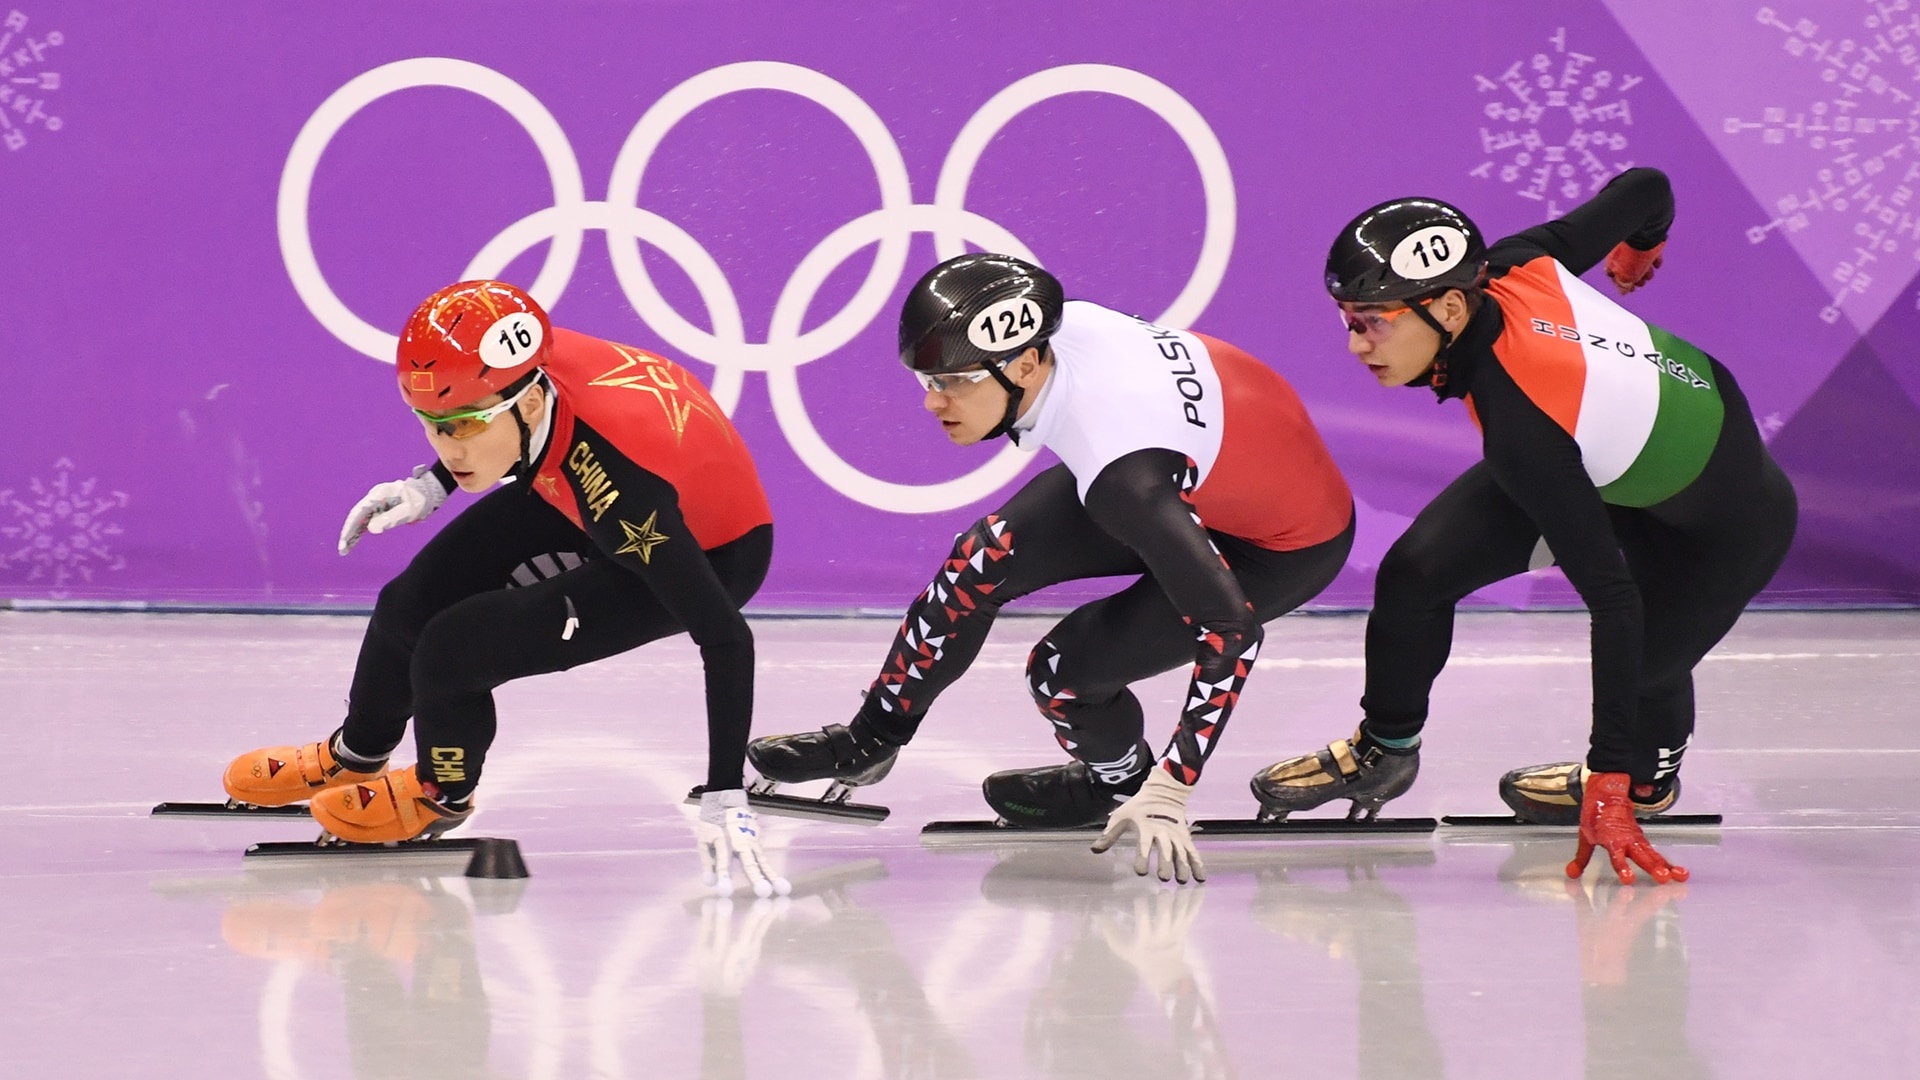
{"x": 973, "y": 309}
{"x": 1404, "y": 249}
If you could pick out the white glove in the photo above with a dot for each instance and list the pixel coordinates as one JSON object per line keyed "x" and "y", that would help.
{"x": 727, "y": 828}
{"x": 393, "y": 504}
{"x": 1158, "y": 811}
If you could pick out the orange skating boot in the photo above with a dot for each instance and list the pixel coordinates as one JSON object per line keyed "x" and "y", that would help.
{"x": 279, "y": 775}
{"x": 386, "y": 809}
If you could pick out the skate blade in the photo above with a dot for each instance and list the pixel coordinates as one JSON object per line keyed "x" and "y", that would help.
{"x": 1512, "y": 822}
{"x": 228, "y": 810}
{"x": 335, "y": 847}
{"x": 998, "y": 830}
{"x": 1222, "y": 829}
{"x": 1255, "y": 829}
{"x": 847, "y": 813}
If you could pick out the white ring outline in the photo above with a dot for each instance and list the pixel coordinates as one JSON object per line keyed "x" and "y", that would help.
{"x": 890, "y": 169}
{"x": 707, "y": 276}
{"x": 783, "y": 384}
{"x": 788, "y": 346}
{"x": 303, "y": 163}
{"x": 1216, "y": 176}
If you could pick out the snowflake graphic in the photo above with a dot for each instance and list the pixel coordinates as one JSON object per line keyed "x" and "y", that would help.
{"x": 58, "y": 529}
{"x": 1558, "y": 126}
{"x": 1860, "y": 136}
{"x": 23, "y": 86}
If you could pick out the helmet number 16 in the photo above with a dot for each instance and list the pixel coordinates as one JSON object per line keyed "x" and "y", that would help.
{"x": 511, "y": 340}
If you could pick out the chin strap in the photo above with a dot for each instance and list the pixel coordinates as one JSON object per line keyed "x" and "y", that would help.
{"x": 523, "y": 467}
{"x": 1436, "y": 373}
{"x": 1014, "y": 396}
{"x": 520, "y": 467}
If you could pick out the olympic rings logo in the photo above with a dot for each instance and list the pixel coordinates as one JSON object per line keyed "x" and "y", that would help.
{"x": 726, "y": 347}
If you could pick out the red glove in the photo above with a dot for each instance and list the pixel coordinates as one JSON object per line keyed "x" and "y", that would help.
{"x": 1606, "y": 820}
{"x": 1630, "y": 268}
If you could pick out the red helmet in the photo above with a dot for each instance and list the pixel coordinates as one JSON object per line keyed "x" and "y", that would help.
{"x": 469, "y": 340}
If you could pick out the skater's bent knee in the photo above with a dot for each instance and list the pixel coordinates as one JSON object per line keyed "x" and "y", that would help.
{"x": 1044, "y": 680}
{"x": 444, "y": 661}
{"x": 1412, "y": 573}
{"x": 1237, "y": 637}
{"x": 402, "y": 608}
{"x": 992, "y": 535}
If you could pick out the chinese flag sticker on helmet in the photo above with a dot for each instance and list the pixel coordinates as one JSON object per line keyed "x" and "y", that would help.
{"x": 468, "y": 341}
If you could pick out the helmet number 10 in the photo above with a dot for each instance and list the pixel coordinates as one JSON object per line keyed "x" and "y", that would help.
{"x": 1436, "y": 245}
{"x": 1429, "y": 252}
{"x": 1006, "y": 325}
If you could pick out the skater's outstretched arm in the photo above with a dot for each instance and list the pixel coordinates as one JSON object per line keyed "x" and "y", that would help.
{"x": 1635, "y": 209}
{"x": 1143, "y": 500}
{"x": 644, "y": 532}
{"x": 1539, "y": 466}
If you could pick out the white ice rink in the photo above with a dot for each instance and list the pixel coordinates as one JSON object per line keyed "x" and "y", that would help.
{"x": 147, "y": 947}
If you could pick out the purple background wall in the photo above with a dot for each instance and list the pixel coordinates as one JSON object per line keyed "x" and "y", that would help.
{"x": 187, "y": 421}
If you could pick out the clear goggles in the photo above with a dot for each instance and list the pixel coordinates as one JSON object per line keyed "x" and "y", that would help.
{"x": 948, "y": 383}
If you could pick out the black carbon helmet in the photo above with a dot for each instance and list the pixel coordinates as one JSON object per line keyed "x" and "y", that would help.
{"x": 1403, "y": 249}
{"x": 976, "y": 310}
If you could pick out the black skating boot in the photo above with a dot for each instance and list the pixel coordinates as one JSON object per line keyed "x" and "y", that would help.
{"x": 1551, "y": 794}
{"x": 851, "y": 755}
{"x": 1055, "y": 796}
{"x": 1358, "y": 769}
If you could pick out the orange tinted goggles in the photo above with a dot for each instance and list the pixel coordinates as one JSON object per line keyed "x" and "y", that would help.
{"x": 1375, "y": 325}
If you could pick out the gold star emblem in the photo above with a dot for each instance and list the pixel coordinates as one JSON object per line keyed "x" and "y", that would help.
{"x": 548, "y": 484}
{"x": 677, "y": 403}
{"x": 642, "y": 540}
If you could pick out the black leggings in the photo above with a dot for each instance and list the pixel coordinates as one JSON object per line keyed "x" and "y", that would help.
{"x": 488, "y": 600}
{"x": 1697, "y": 558}
{"x": 1097, "y": 650}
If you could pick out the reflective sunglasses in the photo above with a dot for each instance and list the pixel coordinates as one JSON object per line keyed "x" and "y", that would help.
{"x": 465, "y": 425}
{"x": 1375, "y": 325}
{"x": 946, "y": 384}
